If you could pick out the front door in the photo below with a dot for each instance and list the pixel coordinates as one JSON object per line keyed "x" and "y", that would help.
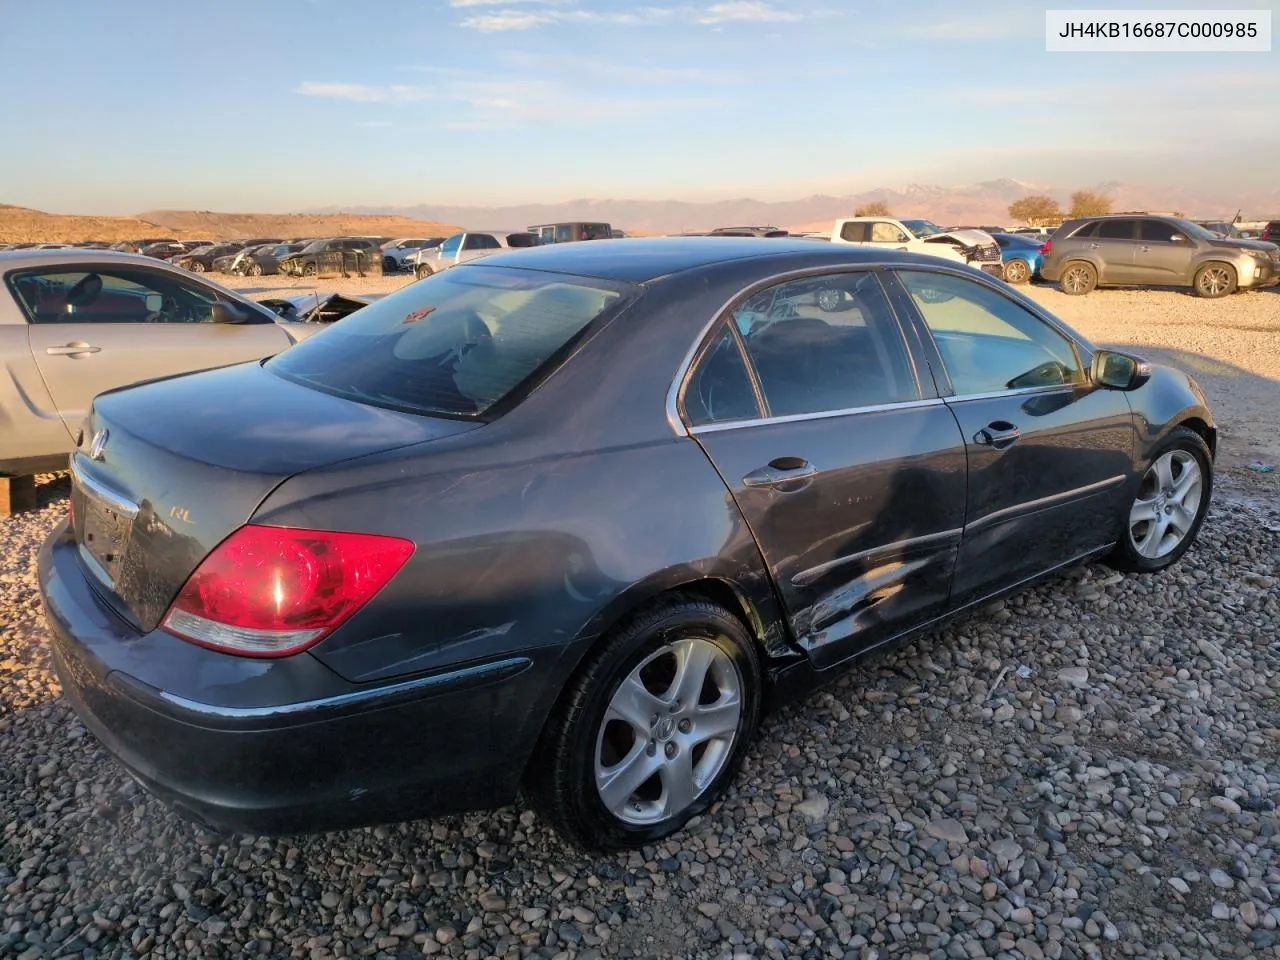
{"x": 1048, "y": 452}
{"x": 94, "y": 328}
{"x": 849, "y": 474}
{"x": 1164, "y": 254}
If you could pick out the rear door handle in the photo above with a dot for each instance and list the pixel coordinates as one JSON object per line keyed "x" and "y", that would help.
{"x": 998, "y": 434}
{"x": 780, "y": 470}
{"x": 72, "y": 350}
{"x": 1093, "y": 246}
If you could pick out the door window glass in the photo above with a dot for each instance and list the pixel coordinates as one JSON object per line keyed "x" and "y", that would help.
{"x": 1116, "y": 229}
{"x": 720, "y": 387}
{"x": 450, "y": 246}
{"x": 855, "y": 231}
{"x": 564, "y": 232}
{"x": 886, "y": 233}
{"x": 988, "y": 342}
{"x": 1156, "y": 231}
{"x": 111, "y": 295}
{"x": 825, "y": 343}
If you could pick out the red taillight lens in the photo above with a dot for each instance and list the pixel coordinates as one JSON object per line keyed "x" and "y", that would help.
{"x": 273, "y": 591}
{"x": 1045, "y": 248}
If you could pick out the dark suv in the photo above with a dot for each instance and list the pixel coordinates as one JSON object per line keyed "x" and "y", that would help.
{"x": 1125, "y": 250}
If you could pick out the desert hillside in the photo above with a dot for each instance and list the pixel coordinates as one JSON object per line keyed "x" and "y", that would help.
{"x": 23, "y": 225}
{"x": 232, "y": 225}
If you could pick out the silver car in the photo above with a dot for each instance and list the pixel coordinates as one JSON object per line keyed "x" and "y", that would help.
{"x": 74, "y": 323}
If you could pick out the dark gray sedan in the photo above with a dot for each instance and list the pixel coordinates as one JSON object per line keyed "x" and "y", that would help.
{"x": 571, "y": 517}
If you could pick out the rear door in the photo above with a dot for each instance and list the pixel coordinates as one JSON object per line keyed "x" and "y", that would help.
{"x": 96, "y": 327}
{"x": 1048, "y": 452}
{"x": 848, "y": 472}
{"x": 1114, "y": 244}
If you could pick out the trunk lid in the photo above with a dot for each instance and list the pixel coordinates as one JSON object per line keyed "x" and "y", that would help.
{"x": 166, "y": 470}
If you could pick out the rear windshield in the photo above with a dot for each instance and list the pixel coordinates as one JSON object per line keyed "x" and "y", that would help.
{"x": 455, "y": 343}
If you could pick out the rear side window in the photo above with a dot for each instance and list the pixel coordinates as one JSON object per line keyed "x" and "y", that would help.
{"x": 1088, "y": 230}
{"x": 455, "y": 343}
{"x": 1116, "y": 230}
{"x": 720, "y": 389}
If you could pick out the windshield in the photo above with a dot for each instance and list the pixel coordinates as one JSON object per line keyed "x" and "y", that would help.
{"x": 923, "y": 228}
{"x": 455, "y": 343}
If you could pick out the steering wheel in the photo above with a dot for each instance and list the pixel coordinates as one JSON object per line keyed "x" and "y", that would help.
{"x": 168, "y": 311}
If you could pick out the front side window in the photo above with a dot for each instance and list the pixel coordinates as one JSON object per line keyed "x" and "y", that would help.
{"x": 988, "y": 342}
{"x": 111, "y": 295}
{"x": 455, "y": 343}
{"x": 823, "y": 344}
{"x": 564, "y": 233}
{"x": 885, "y": 232}
{"x": 450, "y": 246}
{"x": 1157, "y": 231}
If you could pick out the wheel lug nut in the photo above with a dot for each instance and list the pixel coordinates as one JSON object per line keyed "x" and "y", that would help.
{"x": 651, "y": 749}
{"x": 653, "y": 721}
{"x": 685, "y": 726}
{"x": 671, "y": 750}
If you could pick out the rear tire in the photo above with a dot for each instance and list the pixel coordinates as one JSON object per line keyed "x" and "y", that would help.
{"x": 197, "y": 266}
{"x": 309, "y": 270}
{"x": 657, "y": 721}
{"x": 1214, "y": 280}
{"x": 1017, "y": 271}
{"x": 1163, "y": 520}
{"x": 1078, "y": 278}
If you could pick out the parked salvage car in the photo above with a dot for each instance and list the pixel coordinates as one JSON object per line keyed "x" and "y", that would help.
{"x": 334, "y": 254}
{"x": 921, "y": 236}
{"x": 469, "y": 245}
{"x": 263, "y": 261}
{"x": 584, "y": 510}
{"x": 395, "y": 253}
{"x": 1021, "y": 256}
{"x": 74, "y": 323}
{"x": 201, "y": 259}
{"x": 1119, "y": 250}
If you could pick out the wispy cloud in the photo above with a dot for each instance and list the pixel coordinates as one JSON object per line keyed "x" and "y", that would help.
{"x": 364, "y": 93}
{"x": 747, "y": 11}
{"x": 558, "y": 12}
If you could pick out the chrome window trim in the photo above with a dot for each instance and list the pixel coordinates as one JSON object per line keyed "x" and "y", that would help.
{"x": 117, "y": 501}
{"x": 1016, "y": 392}
{"x": 674, "y": 418}
{"x": 819, "y": 415}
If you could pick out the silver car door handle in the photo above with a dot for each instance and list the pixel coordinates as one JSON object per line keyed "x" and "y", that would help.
{"x": 71, "y": 350}
{"x": 1093, "y": 246}
{"x": 781, "y": 470}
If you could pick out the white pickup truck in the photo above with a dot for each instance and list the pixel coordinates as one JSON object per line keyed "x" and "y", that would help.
{"x": 974, "y": 247}
{"x": 462, "y": 247}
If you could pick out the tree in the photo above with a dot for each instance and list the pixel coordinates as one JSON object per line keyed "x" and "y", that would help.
{"x": 1036, "y": 211}
{"x": 1089, "y": 203}
{"x": 876, "y": 209}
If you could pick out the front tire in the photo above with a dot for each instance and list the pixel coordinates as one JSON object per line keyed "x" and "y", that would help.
{"x": 652, "y": 730}
{"x": 197, "y": 266}
{"x": 255, "y": 269}
{"x": 309, "y": 270}
{"x": 422, "y": 271}
{"x": 1165, "y": 516}
{"x": 1078, "y": 278}
{"x": 1215, "y": 280}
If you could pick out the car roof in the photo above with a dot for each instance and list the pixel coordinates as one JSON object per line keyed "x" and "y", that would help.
{"x": 15, "y": 259}
{"x": 641, "y": 259}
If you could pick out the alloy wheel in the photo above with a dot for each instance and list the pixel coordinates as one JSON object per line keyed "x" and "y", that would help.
{"x": 1076, "y": 280}
{"x": 1167, "y": 505}
{"x": 668, "y": 731}
{"x": 1214, "y": 281}
{"x": 1016, "y": 271}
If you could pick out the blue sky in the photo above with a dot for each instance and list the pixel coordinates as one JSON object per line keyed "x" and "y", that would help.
{"x": 278, "y": 105}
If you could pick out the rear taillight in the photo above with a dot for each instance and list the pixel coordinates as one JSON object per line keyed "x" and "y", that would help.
{"x": 274, "y": 591}
{"x": 1045, "y": 248}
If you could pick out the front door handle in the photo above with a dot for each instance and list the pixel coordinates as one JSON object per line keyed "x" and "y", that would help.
{"x": 780, "y": 470}
{"x": 1093, "y": 246}
{"x": 72, "y": 350}
{"x": 998, "y": 434}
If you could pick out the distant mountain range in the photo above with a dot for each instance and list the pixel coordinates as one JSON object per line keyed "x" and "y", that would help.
{"x": 985, "y": 202}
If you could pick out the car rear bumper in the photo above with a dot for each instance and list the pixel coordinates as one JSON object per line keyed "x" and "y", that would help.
{"x": 332, "y": 755}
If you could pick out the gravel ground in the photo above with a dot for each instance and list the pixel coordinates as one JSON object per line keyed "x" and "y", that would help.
{"x": 1089, "y": 769}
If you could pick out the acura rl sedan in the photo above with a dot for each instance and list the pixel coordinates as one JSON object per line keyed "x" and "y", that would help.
{"x": 566, "y": 520}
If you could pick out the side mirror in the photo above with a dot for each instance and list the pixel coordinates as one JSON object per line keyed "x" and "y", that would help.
{"x": 224, "y": 312}
{"x": 1119, "y": 371}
